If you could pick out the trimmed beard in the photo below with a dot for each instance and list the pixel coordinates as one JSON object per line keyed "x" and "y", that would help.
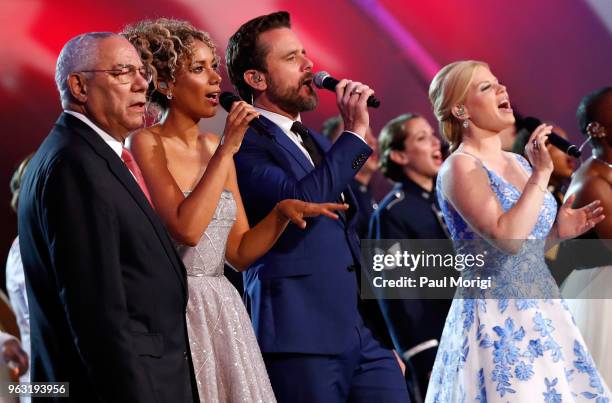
{"x": 290, "y": 99}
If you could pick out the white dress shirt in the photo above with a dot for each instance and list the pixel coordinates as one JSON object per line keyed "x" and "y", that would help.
{"x": 16, "y": 289}
{"x": 112, "y": 142}
{"x": 285, "y": 124}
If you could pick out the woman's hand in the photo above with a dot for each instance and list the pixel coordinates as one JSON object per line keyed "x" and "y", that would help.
{"x": 236, "y": 124}
{"x": 536, "y": 151}
{"x": 296, "y": 210}
{"x": 573, "y": 222}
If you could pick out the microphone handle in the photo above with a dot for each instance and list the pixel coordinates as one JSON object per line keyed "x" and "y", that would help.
{"x": 227, "y": 99}
{"x": 553, "y": 138}
{"x": 563, "y": 145}
{"x": 330, "y": 83}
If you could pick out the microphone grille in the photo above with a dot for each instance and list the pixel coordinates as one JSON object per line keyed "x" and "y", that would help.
{"x": 226, "y": 99}
{"x": 319, "y": 78}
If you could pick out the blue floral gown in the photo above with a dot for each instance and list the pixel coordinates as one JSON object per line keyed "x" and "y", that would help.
{"x": 496, "y": 349}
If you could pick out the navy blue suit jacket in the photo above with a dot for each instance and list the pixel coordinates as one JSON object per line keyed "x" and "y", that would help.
{"x": 303, "y": 294}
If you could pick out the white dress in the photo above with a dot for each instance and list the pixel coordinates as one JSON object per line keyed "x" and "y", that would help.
{"x": 226, "y": 357}
{"x": 16, "y": 290}
{"x": 496, "y": 349}
{"x": 593, "y": 314}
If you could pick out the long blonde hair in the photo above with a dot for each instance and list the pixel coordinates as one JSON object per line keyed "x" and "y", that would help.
{"x": 447, "y": 89}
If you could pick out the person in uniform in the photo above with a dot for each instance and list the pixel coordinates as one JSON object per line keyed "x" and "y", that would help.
{"x": 410, "y": 155}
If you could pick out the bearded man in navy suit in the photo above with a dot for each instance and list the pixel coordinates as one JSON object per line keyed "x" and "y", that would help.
{"x": 303, "y": 295}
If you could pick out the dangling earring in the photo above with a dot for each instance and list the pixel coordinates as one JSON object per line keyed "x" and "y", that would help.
{"x": 461, "y": 113}
{"x": 594, "y": 130}
{"x": 169, "y": 95}
{"x": 153, "y": 114}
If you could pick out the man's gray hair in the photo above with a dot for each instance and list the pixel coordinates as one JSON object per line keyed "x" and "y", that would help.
{"x": 78, "y": 54}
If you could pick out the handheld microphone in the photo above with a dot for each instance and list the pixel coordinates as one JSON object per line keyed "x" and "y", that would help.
{"x": 562, "y": 144}
{"x": 323, "y": 80}
{"x": 226, "y": 99}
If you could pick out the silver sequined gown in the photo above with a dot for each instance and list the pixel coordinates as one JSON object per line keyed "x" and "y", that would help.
{"x": 226, "y": 357}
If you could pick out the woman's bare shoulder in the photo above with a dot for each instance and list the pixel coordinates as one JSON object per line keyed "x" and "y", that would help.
{"x": 143, "y": 137}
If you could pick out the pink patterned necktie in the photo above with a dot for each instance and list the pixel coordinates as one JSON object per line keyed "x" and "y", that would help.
{"x": 127, "y": 158}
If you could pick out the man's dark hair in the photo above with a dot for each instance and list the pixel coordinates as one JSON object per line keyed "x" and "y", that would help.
{"x": 244, "y": 53}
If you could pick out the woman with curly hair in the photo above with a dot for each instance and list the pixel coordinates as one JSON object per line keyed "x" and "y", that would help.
{"x": 192, "y": 181}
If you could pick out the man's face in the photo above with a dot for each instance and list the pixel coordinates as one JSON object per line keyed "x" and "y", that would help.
{"x": 117, "y": 108}
{"x": 288, "y": 71}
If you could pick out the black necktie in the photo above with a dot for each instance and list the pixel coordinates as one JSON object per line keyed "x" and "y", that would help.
{"x": 313, "y": 150}
{"x": 307, "y": 141}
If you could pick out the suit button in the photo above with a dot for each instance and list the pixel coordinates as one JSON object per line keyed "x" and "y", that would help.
{"x": 351, "y": 268}
{"x": 185, "y": 354}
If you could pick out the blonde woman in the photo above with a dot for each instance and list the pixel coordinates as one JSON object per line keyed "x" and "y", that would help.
{"x": 516, "y": 341}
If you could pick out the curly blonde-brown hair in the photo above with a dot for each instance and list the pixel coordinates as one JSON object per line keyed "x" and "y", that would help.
{"x": 166, "y": 45}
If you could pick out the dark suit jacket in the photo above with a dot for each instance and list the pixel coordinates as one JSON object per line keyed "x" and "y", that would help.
{"x": 410, "y": 212}
{"x": 366, "y": 203}
{"x": 303, "y": 294}
{"x": 106, "y": 289}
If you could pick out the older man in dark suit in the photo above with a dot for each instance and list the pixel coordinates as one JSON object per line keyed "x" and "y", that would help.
{"x": 105, "y": 286}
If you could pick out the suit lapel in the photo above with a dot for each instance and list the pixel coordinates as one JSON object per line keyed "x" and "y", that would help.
{"x": 292, "y": 149}
{"x": 285, "y": 142}
{"x": 317, "y": 138}
{"x": 123, "y": 175}
{"x": 348, "y": 194}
